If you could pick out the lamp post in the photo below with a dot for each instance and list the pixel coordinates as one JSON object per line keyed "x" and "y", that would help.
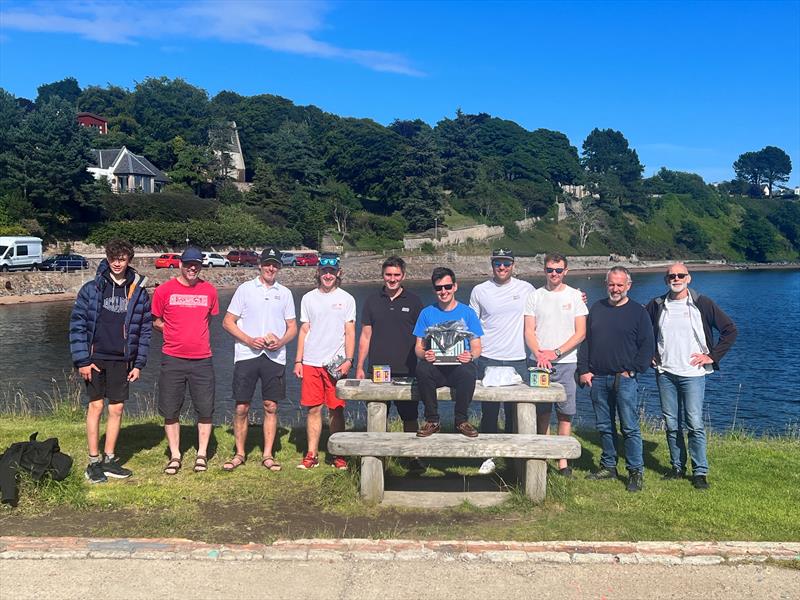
{"x": 436, "y": 228}
{"x": 187, "y": 237}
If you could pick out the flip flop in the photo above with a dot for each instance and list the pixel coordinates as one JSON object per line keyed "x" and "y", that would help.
{"x": 200, "y": 464}
{"x": 173, "y": 466}
{"x": 231, "y": 465}
{"x": 270, "y": 463}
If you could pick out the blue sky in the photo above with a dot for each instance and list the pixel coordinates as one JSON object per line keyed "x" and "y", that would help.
{"x": 691, "y": 84}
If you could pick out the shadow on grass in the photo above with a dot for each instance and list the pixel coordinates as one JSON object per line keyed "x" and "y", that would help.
{"x": 144, "y": 436}
{"x": 588, "y": 462}
{"x": 255, "y": 439}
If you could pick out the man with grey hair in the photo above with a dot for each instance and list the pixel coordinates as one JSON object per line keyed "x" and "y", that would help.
{"x": 618, "y": 346}
{"x": 683, "y": 323}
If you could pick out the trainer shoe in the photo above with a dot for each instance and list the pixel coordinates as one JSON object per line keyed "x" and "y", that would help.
{"x": 340, "y": 463}
{"x": 700, "y": 482}
{"x": 112, "y": 468}
{"x": 309, "y": 462}
{"x": 674, "y": 474}
{"x": 466, "y": 428}
{"x": 428, "y": 429}
{"x": 635, "y": 481}
{"x": 487, "y": 467}
{"x": 94, "y": 473}
{"x": 566, "y": 473}
{"x": 603, "y": 473}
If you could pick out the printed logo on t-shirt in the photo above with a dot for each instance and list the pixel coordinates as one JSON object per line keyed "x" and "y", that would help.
{"x": 566, "y": 306}
{"x": 337, "y": 306}
{"x": 405, "y": 309}
{"x": 116, "y": 304}
{"x": 188, "y": 300}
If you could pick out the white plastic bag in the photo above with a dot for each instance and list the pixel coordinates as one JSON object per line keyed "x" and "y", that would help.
{"x": 500, "y": 376}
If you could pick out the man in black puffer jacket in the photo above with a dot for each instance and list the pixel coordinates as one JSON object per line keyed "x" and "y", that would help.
{"x": 109, "y": 338}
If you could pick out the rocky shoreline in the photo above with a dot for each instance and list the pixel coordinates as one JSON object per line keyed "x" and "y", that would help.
{"x": 27, "y": 287}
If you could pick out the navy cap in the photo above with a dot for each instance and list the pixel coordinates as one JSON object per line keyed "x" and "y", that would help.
{"x": 192, "y": 255}
{"x": 503, "y": 253}
{"x": 271, "y": 253}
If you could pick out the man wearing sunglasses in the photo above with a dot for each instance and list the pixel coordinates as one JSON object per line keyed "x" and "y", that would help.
{"x": 461, "y": 376}
{"x": 499, "y": 304}
{"x": 618, "y": 346}
{"x": 387, "y": 320}
{"x": 555, "y": 325}
{"x": 261, "y": 318}
{"x": 683, "y": 324}
{"x": 182, "y": 311}
{"x": 327, "y": 337}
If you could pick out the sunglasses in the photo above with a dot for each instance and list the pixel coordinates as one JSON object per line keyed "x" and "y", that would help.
{"x": 444, "y": 286}
{"x": 502, "y": 263}
{"x": 558, "y": 270}
{"x": 674, "y": 276}
{"x": 328, "y": 262}
{"x": 328, "y": 270}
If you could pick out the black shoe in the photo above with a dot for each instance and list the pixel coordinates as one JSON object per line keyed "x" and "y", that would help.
{"x": 700, "y": 482}
{"x": 566, "y": 472}
{"x": 112, "y": 468}
{"x": 635, "y": 481}
{"x": 674, "y": 474}
{"x": 428, "y": 429}
{"x": 94, "y": 473}
{"x": 603, "y": 473}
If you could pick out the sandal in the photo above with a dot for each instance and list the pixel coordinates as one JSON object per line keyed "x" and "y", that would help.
{"x": 173, "y": 466}
{"x": 200, "y": 464}
{"x": 270, "y": 463}
{"x": 237, "y": 461}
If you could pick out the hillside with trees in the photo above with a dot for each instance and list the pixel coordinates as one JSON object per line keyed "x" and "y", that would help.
{"x": 312, "y": 173}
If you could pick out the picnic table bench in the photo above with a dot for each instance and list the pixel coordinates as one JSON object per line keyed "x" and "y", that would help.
{"x": 525, "y": 444}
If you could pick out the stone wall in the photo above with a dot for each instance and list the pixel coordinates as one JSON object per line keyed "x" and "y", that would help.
{"x": 450, "y": 237}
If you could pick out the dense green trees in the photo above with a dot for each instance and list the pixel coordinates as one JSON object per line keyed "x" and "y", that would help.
{"x": 768, "y": 166}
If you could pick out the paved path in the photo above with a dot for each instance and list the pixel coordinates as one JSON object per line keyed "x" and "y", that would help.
{"x": 352, "y": 569}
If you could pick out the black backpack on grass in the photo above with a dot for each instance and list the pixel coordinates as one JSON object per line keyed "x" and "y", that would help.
{"x": 33, "y": 457}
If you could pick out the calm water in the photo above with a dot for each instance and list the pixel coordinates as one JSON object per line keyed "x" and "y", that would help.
{"x": 758, "y": 382}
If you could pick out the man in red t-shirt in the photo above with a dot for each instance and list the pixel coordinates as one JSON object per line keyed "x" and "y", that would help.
{"x": 182, "y": 309}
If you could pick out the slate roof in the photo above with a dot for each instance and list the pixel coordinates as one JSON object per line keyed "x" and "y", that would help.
{"x": 127, "y": 164}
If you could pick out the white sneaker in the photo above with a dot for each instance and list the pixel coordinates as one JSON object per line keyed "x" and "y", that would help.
{"x": 487, "y": 467}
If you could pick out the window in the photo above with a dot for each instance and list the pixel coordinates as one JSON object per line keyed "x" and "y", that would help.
{"x": 22, "y": 251}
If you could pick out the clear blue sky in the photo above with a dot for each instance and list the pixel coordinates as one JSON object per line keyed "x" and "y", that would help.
{"x": 691, "y": 84}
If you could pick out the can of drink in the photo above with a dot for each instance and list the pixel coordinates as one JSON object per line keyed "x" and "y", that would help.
{"x": 381, "y": 373}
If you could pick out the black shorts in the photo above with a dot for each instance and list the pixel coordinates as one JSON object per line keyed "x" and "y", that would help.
{"x": 175, "y": 374}
{"x": 110, "y": 382}
{"x": 246, "y": 374}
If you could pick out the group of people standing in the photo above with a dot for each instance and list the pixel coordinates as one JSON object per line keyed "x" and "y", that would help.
{"x": 509, "y": 324}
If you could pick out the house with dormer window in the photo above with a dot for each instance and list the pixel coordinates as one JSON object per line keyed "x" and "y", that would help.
{"x": 127, "y": 172}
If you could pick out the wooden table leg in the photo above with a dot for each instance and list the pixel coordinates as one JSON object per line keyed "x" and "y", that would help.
{"x": 372, "y": 484}
{"x": 531, "y": 473}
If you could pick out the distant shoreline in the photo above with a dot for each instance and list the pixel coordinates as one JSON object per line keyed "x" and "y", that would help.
{"x": 354, "y": 273}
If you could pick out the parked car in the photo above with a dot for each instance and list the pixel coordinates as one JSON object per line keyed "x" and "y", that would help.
{"x": 308, "y": 259}
{"x": 243, "y": 258}
{"x": 20, "y": 253}
{"x": 170, "y": 260}
{"x": 288, "y": 259}
{"x": 65, "y": 263}
{"x": 212, "y": 259}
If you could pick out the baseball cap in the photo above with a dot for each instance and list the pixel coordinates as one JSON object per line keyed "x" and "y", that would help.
{"x": 271, "y": 253}
{"x": 503, "y": 253}
{"x": 192, "y": 255}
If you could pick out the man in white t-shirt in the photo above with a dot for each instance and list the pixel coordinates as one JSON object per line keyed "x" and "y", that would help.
{"x": 555, "y": 325}
{"x": 499, "y": 304}
{"x": 261, "y": 318}
{"x": 327, "y": 338}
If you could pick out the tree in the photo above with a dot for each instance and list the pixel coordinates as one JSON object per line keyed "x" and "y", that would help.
{"x": 768, "y": 166}
{"x": 585, "y": 217}
{"x": 692, "y": 237}
{"x": 194, "y": 165}
{"x": 787, "y": 220}
{"x": 614, "y": 168}
{"x": 66, "y": 89}
{"x": 167, "y": 108}
{"x": 755, "y": 238}
{"x": 342, "y": 203}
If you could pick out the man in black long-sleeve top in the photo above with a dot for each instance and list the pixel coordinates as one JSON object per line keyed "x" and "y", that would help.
{"x": 619, "y": 345}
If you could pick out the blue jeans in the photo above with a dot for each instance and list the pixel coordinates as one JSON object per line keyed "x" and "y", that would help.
{"x": 682, "y": 402}
{"x": 614, "y": 395}
{"x": 490, "y": 411}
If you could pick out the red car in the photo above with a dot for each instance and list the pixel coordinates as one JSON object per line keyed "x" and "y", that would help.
{"x": 243, "y": 258}
{"x": 307, "y": 260}
{"x": 170, "y": 260}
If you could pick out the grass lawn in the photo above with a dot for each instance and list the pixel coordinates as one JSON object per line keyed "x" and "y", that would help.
{"x": 754, "y": 495}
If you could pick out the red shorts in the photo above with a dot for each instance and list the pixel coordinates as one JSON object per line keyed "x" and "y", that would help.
{"x": 318, "y": 388}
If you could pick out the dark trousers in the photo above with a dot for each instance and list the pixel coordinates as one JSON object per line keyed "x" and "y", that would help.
{"x": 460, "y": 379}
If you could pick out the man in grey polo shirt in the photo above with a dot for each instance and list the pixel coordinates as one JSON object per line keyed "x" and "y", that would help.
{"x": 261, "y": 317}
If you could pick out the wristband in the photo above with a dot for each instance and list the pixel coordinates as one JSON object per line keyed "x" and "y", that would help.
{"x": 298, "y": 362}
{"x": 350, "y": 359}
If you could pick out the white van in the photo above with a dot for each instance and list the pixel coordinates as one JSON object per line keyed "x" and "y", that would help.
{"x": 20, "y": 253}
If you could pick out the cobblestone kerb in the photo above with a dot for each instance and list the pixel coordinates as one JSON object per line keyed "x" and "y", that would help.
{"x": 671, "y": 553}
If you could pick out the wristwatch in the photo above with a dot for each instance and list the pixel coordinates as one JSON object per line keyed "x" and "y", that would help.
{"x": 558, "y": 353}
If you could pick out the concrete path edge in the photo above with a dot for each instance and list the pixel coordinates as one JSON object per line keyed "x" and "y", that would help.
{"x": 565, "y": 552}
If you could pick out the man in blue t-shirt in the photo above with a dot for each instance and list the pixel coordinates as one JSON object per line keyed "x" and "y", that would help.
{"x": 459, "y": 375}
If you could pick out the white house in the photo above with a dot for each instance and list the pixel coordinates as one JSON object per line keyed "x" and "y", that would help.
{"x": 126, "y": 171}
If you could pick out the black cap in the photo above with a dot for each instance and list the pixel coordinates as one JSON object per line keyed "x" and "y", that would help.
{"x": 271, "y": 253}
{"x": 503, "y": 253}
{"x": 192, "y": 255}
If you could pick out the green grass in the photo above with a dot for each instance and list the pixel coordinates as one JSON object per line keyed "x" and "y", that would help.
{"x": 754, "y": 494}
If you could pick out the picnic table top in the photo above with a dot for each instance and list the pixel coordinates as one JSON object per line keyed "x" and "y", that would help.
{"x": 365, "y": 390}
